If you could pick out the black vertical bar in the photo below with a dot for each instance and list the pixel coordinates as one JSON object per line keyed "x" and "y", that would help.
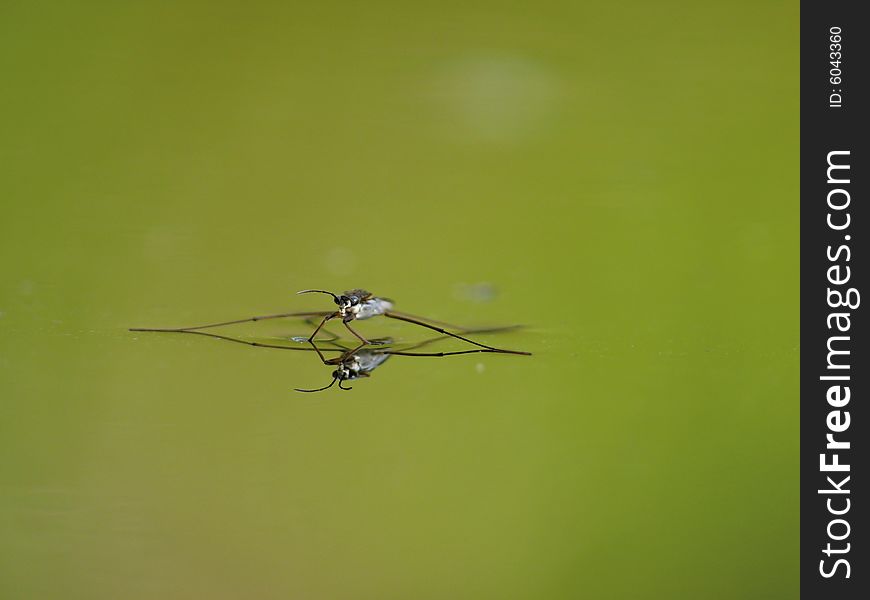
{"x": 834, "y": 265}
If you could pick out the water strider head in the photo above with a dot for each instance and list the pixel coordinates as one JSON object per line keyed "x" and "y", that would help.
{"x": 345, "y": 300}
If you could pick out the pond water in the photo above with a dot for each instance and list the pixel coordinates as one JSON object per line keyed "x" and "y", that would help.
{"x": 620, "y": 180}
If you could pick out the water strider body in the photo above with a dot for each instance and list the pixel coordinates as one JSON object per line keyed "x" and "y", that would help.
{"x": 351, "y": 365}
{"x": 360, "y": 364}
{"x": 357, "y": 305}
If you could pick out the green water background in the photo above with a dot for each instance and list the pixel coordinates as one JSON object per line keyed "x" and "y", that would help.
{"x": 621, "y": 178}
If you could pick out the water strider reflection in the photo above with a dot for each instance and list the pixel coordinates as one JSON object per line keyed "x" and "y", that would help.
{"x": 358, "y": 362}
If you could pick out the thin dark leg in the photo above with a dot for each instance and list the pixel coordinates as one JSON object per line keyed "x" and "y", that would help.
{"x": 322, "y": 323}
{"x": 434, "y": 321}
{"x": 358, "y": 336}
{"x": 346, "y": 352}
{"x": 319, "y": 353}
{"x": 350, "y": 353}
{"x": 457, "y": 336}
{"x": 403, "y": 353}
{"x": 341, "y": 347}
{"x": 255, "y": 344}
{"x": 334, "y": 337}
{"x": 248, "y": 320}
{"x": 478, "y": 330}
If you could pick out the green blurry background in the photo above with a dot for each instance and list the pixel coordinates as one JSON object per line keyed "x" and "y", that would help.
{"x": 621, "y": 177}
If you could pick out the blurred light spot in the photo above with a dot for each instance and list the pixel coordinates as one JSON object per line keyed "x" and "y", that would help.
{"x": 498, "y": 98}
{"x": 480, "y": 367}
{"x": 476, "y": 292}
{"x": 163, "y": 243}
{"x": 340, "y": 261}
{"x": 26, "y": 288}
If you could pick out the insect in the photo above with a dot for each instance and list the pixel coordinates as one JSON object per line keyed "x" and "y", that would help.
{"x": 353, "y": 305}
{"x": 359, "y": 362}
{"x": 355, "y": 363}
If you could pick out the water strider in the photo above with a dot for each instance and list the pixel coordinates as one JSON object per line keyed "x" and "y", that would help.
{"x": 353, "y": 305}
{"x": 354, "y": 363}
{"x": 359, "y": 362}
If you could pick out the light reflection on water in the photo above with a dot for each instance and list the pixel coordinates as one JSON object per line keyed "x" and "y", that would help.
{"x": 354, "y": 360}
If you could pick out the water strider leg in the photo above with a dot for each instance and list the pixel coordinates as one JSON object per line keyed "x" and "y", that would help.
{"x": 322, "y": 323}
{"x": 358, "y": 336}
{"x": 334, "y": 337}
{"x": 478, "y": 330}
{"x": 457, "y": 336}
{"x": 221, "y": 324}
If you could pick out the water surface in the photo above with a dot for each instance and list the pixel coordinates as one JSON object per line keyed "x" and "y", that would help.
{"x": 621, "y": 180}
